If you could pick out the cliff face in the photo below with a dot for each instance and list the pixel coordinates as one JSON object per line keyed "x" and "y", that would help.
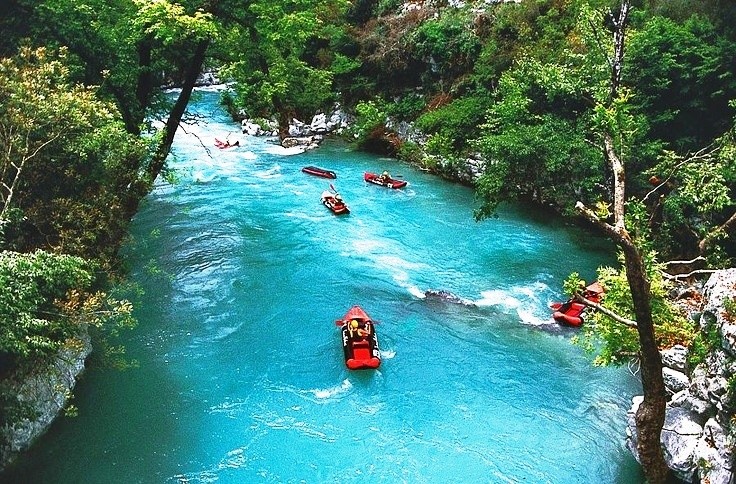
{"x": 699, "y": 433}
{"x": 46, "y": 391}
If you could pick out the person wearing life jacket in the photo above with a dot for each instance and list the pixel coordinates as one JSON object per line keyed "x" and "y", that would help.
{"x": 355, "y": 326}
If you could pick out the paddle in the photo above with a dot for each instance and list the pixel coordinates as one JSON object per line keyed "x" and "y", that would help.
{"x": 340, "y": 322}
{"x": 338, "y": 203}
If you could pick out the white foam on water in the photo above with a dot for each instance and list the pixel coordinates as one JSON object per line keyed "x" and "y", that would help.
{"x": 387, "y": 354}
{"x": 304, "y": 216}
{"x": 365, "y": 246}
{"x": 280, "y": 150}
{"x": 248, "y": 155}
{"x": 497, "y": 297}
{"x": 530, "y": 301}
{"x": 326, "y": 393}
{"x": 269, "y": 174}
{"x": 528, "y": 316}
{"x": 200, "y": 177}
{"x": 416, "y": 292}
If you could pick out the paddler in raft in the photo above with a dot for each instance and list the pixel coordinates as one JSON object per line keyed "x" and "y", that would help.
{"x": 360, "y": 331}
{"x": 226, "y": 144}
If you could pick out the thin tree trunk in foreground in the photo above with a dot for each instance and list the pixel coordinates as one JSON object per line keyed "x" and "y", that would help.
{"x": 650, "y": 415}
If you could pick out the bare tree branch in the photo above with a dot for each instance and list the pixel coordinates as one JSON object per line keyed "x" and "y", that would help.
{"x": 19, "y": 169}
{"x": 702, "y": 154}
{"x": 677, "y": 277}
{"x": 725, "y": 227}
{"x": 619, "y": 319}
{"x": 699, "y": 258}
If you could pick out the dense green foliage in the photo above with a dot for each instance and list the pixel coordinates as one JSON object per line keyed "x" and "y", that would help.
{"x": 284, "y": 60}
{"x": 517, "y": 83}
{"x": 31, "y": 287}
{"x": 616, "y": 343}
{"x": 66, "y": 159}
{"x": 44, "y": 300}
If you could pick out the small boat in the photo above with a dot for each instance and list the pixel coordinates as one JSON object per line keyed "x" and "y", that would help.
{"x": 317, "y": 171}
{"x": 226, "y": 144}
{"x": 359, "y": 340}
{"x": 387, "y": 182}
{"x": 571, "y": 312}
{"x": 334, "y": 202}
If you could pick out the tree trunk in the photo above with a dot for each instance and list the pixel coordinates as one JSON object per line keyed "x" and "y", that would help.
{"x": 158, "y": 160}
{"x": 650, "y": 415}
{"x": 144, "y": 87}
{"x": 177, "y": 112}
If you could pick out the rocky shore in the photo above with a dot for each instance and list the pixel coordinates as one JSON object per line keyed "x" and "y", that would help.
{"x": 303, "y": 136}
{"x": 44, "y": 394}
{"x": 699, "y": 432}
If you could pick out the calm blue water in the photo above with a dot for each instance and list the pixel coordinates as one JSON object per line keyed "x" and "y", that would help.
{"x": 241, "y": 375}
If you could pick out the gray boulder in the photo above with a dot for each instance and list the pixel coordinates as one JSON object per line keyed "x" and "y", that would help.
{"x": 675, "y": 358}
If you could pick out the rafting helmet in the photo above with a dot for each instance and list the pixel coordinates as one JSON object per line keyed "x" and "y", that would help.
{"x": 338, "y": 197}
{"x": 385, "y": 173}
{"x": 354, "y": 324}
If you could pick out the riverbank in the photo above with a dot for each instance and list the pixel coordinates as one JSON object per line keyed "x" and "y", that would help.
{"x": 195, "y": 255}
{"x": 43, "y": 394}
{"x": 698, "y": 436}
{"x": 243, "y": 277}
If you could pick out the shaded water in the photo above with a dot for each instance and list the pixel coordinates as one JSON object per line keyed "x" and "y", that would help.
{"x": 241, "y": 376}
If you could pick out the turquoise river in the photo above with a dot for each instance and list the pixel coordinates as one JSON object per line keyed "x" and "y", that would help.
{"x": 241, "y": 376}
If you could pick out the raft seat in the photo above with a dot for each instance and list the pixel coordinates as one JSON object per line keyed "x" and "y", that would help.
{"x": 361, "y": 353}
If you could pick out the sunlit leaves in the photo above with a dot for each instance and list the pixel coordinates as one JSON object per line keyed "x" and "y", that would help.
{"x": 40, "y": 110}
{"x": 616, "y": 343}
{"x": 370, "y": 116}
{"x": 29, "y": 284}
{"x": 170, "y": 23}
{"x": 701, "y": 183}
{"x": 45, "y": 304}
{"x": 67, "y": 162}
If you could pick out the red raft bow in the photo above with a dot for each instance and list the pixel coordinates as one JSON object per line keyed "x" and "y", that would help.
{"x": 359, "y": 341}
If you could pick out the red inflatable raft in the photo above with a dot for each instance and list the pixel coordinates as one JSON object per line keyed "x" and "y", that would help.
{"x": 571, "y": 312}
{"x": 317, "y": 171}
{"x": 387, "y": 182}
{"x": 334, "y": 202}
{"x": 359, "y": 340}
{"x": 226, "y": 144}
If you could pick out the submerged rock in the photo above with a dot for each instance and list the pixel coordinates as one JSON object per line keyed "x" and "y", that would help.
{"x": 448, "y": 296}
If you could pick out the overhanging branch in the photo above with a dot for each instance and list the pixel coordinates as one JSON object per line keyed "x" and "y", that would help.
{"x": 619, "y": 319}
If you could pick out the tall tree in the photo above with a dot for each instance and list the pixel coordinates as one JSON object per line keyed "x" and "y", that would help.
{"x": 613, "y": 120}
{"x": 584, "y": 92}
{"x": 134, "y": 48}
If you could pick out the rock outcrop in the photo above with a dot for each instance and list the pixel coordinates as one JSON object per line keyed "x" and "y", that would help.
{"x": 45, "y": 393}
{"x": 697, "y": 437}
{"x": 302, "y": 135}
